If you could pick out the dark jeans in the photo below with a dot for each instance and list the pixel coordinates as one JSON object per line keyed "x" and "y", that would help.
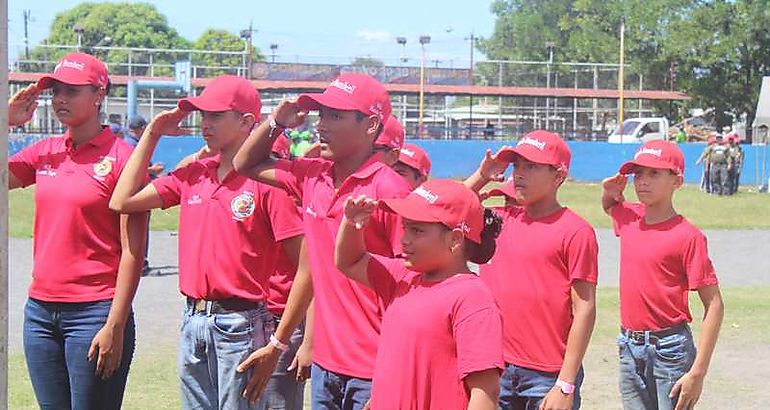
{"x": 331, "y": 390}
{"x": 525, "y": 389}
{"x": 57, "y": 337}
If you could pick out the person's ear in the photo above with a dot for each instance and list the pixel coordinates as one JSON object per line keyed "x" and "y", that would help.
{"x": 248, "y": 121}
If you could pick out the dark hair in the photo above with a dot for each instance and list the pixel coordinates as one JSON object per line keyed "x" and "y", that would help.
{"x": 361, "y": 116}
{"x": 482, "y": 252}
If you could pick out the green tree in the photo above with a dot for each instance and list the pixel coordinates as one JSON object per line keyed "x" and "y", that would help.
{"x": 367, "y": 62}
{"x": 113, "y": 24}
{"x": 221, "y": 40}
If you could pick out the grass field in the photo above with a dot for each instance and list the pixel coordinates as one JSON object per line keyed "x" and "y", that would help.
{"x": 153, "y": 384}
{"x": 746, "y": 210}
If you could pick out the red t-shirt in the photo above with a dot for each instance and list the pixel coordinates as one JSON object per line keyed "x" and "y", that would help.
{"x": 280, "y": 284}
{"x": 229, "y": 232}
{"x": 659, "y": 263}
{"x": 347, "y": 316}
{"x": 77, "y": 237}
{"x": 433, "y": 335}
{"x": 531, "y": 276}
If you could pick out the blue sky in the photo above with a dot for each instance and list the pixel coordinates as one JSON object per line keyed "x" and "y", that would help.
{"x": 332, "y": 31}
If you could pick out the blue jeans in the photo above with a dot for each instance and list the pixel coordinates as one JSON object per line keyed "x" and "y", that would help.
{"x": 211, "y": 345}
{"x": 334, "y": 391}
{"x": 283, "y": 391}
{"x": 650, "y": 369}
{"x": 57, "y": 337}
{"x": 525, "y": 389}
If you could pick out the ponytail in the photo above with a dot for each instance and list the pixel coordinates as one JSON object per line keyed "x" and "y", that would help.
{"x": 481, "y": 253}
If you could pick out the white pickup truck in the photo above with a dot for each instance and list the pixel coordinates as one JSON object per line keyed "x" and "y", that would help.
{"x": 640, "y": 130}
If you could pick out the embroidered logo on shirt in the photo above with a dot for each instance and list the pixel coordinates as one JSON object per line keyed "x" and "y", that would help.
{"x": 309, "y": 210}
{"x": 195, "y": 200}
{"x": 242, "y": 205}
{"x": 47, "y": 170}
{"x": 103, "y": 168}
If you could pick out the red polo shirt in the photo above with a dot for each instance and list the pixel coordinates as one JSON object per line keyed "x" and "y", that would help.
{"x": 659, "y": 263}
{"x": 76, "y": 235}
{"x": 531, "y": 276}
{"x": 229, "y": 232}
{"x": 347, "y": 315}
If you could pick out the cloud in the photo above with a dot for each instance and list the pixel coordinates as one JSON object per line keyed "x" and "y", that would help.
{"x": 380, "y": 36}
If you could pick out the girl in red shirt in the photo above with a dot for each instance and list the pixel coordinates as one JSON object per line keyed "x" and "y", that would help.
{"x": 78, "y": 324}
{"x": 441, "y": 338}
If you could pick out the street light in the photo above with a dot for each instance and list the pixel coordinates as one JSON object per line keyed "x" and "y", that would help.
{"x": 549, "y": 45}
{"x": 273, "y": 47}
{"x": 424, "y": 39}
{"x": 402, "y": 42}
{"x": 78, "y": 29}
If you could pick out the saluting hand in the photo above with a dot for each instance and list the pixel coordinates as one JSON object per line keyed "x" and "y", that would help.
{"x": 22, "y": 105}
{"x": 359, "y": 210}
{"x": 492, "y": 167}
{"x": 614, "y": 186}
{"x": 167, "y": 123}
{"x": 289, "y": 114}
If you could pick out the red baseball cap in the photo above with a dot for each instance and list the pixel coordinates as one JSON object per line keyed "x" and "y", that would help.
{"x": 415, "y": 157}
{"x": 351, "y": 92}
{"x": 282, "y": 146}
{"x": 225, "y": 93}
{"x": 508, "y": 189}
{"x": 541, "y": 147}
{"x": 658, "y": 154}
{"x": 77, "y": 69}
{"x": 444, "y": 201}
{"x": 392, "y": 134}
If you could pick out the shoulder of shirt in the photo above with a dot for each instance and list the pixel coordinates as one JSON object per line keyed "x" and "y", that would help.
{"x": 578, "y": 221}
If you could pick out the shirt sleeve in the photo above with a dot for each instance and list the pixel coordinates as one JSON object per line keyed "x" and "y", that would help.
{"x": 478, "y": 332}
{"x": 583, "y": 256}
{"x": 282, "y": 212}
{"x": 697, "y": 264}
{"x": 169, "y": 187}
{"x": 622, "y": 214}
{"x": 290, "y": 175}
{"x": 390, "y": 222}
{"x": 24, "y": 164}
{"x": 384, "y": 274}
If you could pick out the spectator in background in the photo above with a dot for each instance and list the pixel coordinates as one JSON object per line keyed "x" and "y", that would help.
{"x": 680, "y": 136}
{"x": 136, "y": 126}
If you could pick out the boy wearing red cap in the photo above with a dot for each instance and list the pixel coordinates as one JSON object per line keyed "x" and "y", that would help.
{"x": 543, "y": 277}
{"x": 78, "y": 322}
{"x": 352, "y": 111}
{"x": 441, "y": 340}
{"x": 413, "y": 164}
{"x": 231, "y": 232}
{"x": 662, "y": 257}
{"x": 390, "y": 141}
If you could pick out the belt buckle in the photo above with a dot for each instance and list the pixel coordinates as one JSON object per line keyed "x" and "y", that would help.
{"x": 199, "y": 305}
{"x": 636, "y": 336}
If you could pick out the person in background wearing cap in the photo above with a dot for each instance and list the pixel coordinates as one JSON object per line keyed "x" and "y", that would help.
{"x": 719, "y": 161}
{"x": 390, "y": 141}
{"x": 441, "y": 338}
{"x": 546, "y": 252}
{"x": 662, "y": 256}
{"x": 79, "y": 330}
{"x": 352, "y": 111}
{"x": 736, "y": 161}
{"x": 413, "y": 164}
{"x": 136, "y": 126}
{"x": 705, "y": 182}
{"x": 231, "y": 231}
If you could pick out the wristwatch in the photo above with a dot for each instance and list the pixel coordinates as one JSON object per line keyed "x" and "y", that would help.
{"x": 566, "y": 388}
{"x": 274, "y": 125}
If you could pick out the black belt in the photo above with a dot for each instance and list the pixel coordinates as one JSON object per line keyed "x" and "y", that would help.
{"x": 638, "y": 336}
{"x": 221, "y": 306}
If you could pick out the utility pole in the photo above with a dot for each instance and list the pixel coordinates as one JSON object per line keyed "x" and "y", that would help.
{"x": 27, "y": 18}
{"x": 473, "y": 39}
{"x": 621, "y": 74}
